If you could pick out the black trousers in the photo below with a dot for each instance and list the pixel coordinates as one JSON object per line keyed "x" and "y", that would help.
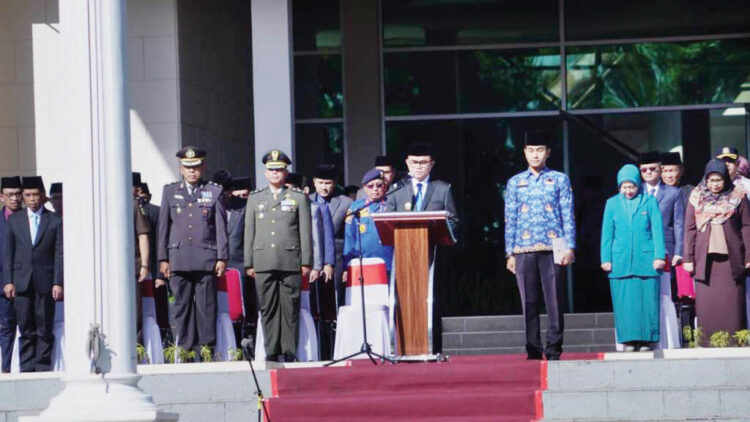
{"x": 7, "y": 330}
{"x": 538, "y": 274}
{"x": 35, "y": 313}
{"x": 195, "y": 308}
{"x": 279, "y": 299}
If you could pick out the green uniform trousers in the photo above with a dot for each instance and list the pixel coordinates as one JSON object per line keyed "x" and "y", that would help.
{"x": 279, "y": 299}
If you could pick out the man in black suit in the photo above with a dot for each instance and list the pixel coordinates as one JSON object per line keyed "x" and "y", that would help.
{"x": 11, "y": 196}
{"x": 422, "y": 193}
{"x": 161, "y": 294}
{"x": 33, "y": 258}
{"x": 335, "y": 205}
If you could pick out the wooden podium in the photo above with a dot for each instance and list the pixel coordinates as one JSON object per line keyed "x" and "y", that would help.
{"x": 413, "y": 235}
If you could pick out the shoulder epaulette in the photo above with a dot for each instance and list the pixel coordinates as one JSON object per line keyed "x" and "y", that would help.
{"x": 258, "y": 190}
{"x": 296, "y": 189}
{"x": 213, "y": 183}
{"x": 173, "y": 183}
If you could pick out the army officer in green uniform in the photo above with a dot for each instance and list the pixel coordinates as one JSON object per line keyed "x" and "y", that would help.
{"x": 278, "y": 244}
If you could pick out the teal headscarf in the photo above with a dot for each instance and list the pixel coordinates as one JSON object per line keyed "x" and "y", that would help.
{"x": 630, "y": 173}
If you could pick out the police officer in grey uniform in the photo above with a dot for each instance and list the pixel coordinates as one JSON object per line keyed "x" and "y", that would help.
{"x": 193, "y": 249}
{"x": 278, "y": 244}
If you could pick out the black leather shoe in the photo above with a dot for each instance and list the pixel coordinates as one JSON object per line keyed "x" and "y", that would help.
{"x": 289, "y": 357}
{"x": 553, "y": 357}
{"x": 272, "y": 358}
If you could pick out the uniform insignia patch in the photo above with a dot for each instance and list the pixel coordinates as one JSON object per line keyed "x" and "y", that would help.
{"x": 362, "y": 228}
{"x": 206, "y": 194}
{"x": 179, "y": 197}
{"x": 523, "y": 182}
{"x": 407, "y": 206}
{"x": 260, "y": 216}
{"x": 205, "y": 213}
{"x": 549, "y": 181}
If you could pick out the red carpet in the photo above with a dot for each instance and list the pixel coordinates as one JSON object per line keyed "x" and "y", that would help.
{"x": 467, "y": 388}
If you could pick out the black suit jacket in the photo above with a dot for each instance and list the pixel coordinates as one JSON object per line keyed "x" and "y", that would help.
{"x": 236, "y": 237}
{"x": 40, "y": 263}
{"x": 437, "y": 197}
{"x": 152, "y": 212}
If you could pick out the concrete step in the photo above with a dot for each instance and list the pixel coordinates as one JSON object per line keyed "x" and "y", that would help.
{"x": 648, "y": 404}
{"x": 652, "y": 389}
{"x": 648, "y": 374}
{"x": 597, "y": 348}
{"x": 488, "y": 340}
{"x": 501, "y": 323}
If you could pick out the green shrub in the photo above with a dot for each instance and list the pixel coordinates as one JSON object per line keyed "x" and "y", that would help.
{"x": 141, "y": 354}
{"x": 742, "y": 338}
{"x": 207, "y": 354}
{"x": 720, "y": 339}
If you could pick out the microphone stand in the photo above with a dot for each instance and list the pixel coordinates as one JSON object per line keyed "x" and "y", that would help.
{"x": 366, "y": 348}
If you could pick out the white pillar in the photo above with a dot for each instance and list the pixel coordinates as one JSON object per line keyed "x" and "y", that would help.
{"x": 272, "y": 79}
{"x": 98, "y": 223}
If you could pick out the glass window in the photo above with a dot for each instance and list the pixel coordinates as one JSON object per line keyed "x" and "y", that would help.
{"x": 420, "y": 83}
{"x": 316, "y": 25}
{"x": 438, "y": 22}
{"x": 318, "y": 91}
{"x": 657, "y": 74}
{"x": 318, "y": 143}
{"x": 597, "y": 19}
{"x": 509, "y": 80}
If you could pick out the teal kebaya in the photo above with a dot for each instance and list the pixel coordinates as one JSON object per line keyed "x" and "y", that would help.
{"x": 632, "y": 242}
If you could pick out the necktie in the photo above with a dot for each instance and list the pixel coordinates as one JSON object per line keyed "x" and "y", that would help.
{"x": 418, "y": 202}
{"x": 34, "y": 227}
{"x": 323, "y": 205}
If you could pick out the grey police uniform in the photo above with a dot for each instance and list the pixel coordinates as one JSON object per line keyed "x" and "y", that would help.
{"x": 278, "y": 241}
{"x": 192, "y": 237}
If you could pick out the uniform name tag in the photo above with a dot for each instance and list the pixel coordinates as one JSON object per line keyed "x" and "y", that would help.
{"x": 179, "y": 197}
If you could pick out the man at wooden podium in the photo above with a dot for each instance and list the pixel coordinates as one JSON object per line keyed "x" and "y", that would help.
{"x": 422, "y": 193}
{"x": 539, "y": 241}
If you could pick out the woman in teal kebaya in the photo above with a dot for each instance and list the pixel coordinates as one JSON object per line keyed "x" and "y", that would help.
{"x": 632, "y": 253}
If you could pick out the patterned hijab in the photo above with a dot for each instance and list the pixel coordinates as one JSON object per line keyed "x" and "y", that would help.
{"x": 715, "y": 208}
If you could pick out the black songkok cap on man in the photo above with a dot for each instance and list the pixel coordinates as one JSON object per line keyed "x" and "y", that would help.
{"x": 384, "y": 160}
{"x": 241, "y": 183}
{"x": 649, "y": 158}
{"x": 33, "y": 182}
{"x": 12, "y": 182}
{"x": 419, "y": 150}
{"x": 538, "y": 138}
{"x": 294, "y": 179}
{"x": 55, "y": 188}
{"x": 136, "y": 179}
{"x": 325, "y": 171}
{"x": 671, "y": 159}
{"x": 223, "y": 178}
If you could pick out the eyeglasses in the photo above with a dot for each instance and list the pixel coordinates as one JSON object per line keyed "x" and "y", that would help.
{"x": 375, "y": 186}
{"x": 649, "y": 169}
{"x": 423, "y": 163}
{"x": 15, "y": 194}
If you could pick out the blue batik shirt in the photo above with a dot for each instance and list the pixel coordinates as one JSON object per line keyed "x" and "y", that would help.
{"x": 538, "y": 209}
{"x": 372, "y": 247}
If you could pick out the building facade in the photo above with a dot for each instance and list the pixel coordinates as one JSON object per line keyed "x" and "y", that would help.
{"x": 342, "y": 81}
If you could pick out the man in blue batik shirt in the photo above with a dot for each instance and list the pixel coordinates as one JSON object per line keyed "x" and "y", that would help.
{"x": 539, "y": 209}
{"x": 375, "y": 188}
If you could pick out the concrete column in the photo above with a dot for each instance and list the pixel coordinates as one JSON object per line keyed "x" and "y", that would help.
{"x": 99, "y": 258}
{"x": 363, "y": 118}
{"x": 273, "y": 93}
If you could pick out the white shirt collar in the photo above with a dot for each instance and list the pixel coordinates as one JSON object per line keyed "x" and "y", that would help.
{"x": 37, "y": 212}
{"x": 423, "y": 182}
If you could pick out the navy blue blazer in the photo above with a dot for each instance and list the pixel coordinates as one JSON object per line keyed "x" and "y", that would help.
{"x": 672, "y": 207}
{"x": 39, "y": 264}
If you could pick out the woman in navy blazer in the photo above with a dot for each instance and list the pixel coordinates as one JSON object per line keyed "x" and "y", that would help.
{"x": 632, "y": 252}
